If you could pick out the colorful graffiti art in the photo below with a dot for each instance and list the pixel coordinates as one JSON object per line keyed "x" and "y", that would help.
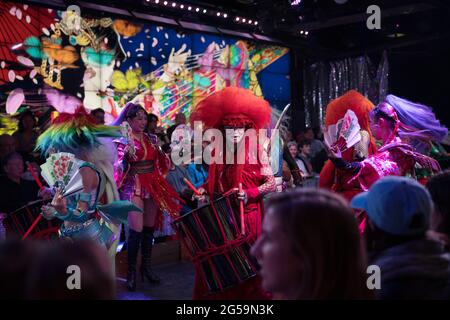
{"x": 63, "y": 58}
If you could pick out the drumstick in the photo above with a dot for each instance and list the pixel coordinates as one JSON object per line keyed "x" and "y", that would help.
{"x": 33, "y": 173}
{"x": 192, "y": 187}
{"x": 36, "y": 221}
{"x": 241, "y": 210}
{"x": 39, "y": 183}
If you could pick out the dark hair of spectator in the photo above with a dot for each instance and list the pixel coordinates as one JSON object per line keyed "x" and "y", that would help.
{"x": 325, "y": 236}
{"x": 152, "y": 117}
{"x": 16, "y": 262}
{"x": 439, "y": 188}
{"x": 98, "y": 110}
{"x": 49, "y": 275}
{"x": 22, "y": 116}
{"x": 303, "y": 143}
{"x": 378, "y": 240}
{"x": 9, "y": 156}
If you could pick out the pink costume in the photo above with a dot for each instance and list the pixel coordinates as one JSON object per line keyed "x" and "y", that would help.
{"x": 143, "y": 176}
{"x": 394, "y": 158}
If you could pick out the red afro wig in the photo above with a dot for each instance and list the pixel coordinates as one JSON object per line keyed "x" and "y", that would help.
{"x": 354, "y": 101}
{"x": 232, "y": 106}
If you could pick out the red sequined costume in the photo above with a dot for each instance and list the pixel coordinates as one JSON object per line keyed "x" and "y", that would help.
{"x": 339, "y": 180}
{"x": 236, "y": 108}
{"x": 393, "y": 158}
{"x": 143, "y": 176}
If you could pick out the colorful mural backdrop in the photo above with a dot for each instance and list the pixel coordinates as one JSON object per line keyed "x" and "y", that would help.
{"x": 63, "y": 58}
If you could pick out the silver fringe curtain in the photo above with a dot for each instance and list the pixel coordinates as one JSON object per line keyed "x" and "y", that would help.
{"x": 325, "y": 81}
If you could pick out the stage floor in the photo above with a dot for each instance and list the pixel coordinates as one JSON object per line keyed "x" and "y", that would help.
{"x": 177, "y": 281}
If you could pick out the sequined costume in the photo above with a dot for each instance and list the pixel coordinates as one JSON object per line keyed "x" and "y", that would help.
{"x": 143, "y": 176}
{"x": 340, "y": 180}
{"x": 236, "y": 108}
{"x": 78, "y": 134}
{"x": 394, "y": 157}
{"x": 98, "y": 222}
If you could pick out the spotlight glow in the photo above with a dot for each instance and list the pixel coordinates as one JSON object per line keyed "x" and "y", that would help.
{"x": 225, "y": 15}
{"x": 197, "y": 9}
{"x": 250, "y": 21}
{"x": 243, "y": 20}
{"x": 181, "y": 6}
{"x": 204, "y": 10}
{"x": 237, "y": 18}
{"x": 189, "y": 8}
{"x": 174, "y": 4}
{"x": 165, "y": 3}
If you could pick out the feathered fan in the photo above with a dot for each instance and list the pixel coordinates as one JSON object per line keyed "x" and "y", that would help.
{"x": 61, "y": 170}
{"x": 345, "y": 133}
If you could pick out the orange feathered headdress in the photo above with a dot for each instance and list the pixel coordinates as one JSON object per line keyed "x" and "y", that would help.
{"x": 354, "y": 101}
{"x": 234, "y": 107}
{"x": 336, "y": 110}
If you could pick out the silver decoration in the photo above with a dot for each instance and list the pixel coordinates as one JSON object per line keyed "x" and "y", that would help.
{"x": 325, "y": 81}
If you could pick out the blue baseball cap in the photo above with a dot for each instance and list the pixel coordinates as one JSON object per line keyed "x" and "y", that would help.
{"x": 397, "y": 205}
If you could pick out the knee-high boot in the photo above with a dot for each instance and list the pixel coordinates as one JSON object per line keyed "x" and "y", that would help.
{"x": 134, "y": 241}
{"x": 146, "y": 251}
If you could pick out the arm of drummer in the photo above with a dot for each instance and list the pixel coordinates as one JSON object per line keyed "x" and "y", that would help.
{"x": 266, "y": 187}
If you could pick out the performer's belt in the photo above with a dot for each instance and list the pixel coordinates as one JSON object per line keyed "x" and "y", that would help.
{"x": 140, "y": 167}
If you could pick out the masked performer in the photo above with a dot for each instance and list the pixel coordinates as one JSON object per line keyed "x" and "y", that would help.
{"x": 340, "y": 180}
{"x": 95, "y": 212}
{"x": 394, "y": 157}
{"x": 140, "y": 178}
{"x": 235, "y": 110}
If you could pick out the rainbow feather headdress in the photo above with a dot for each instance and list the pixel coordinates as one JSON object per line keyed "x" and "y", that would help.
{"x": 74, "y": 133}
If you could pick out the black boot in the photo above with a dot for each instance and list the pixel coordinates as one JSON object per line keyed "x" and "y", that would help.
{"x": 146, "y": 250}
{"x": 134, "y": 241}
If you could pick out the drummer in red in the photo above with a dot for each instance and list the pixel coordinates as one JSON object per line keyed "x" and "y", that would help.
{"x": 236, "y": 110}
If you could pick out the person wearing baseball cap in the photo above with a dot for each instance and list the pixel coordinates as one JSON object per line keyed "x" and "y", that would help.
{"x": 412, "y": 266}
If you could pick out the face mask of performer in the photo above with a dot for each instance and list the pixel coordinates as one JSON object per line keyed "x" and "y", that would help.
{"x": 234, "y": 135}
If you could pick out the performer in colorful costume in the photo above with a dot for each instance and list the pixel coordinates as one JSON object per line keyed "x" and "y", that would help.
{"x": 394, "y": 157}
{"x": 96, "y": 211}
{"x": 140, "y": 171}
{"x": 237, "y": 109}
{"x": 340, "y": 180}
